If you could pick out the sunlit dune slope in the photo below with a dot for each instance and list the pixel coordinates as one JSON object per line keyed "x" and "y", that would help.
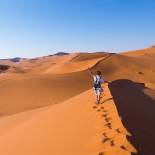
{"x": 143, "y": 52}
{"x": 72, "y": 127}
{"x": 56, "y": 64}
{"x": 73, "y": 63}
{"x": 69, "y": 124}
{"x": 88, "y": 56}
{"x": 29, "y": 89}
{"x": 120, "y": 66}
{"x": 20, "y": 93}
{"x": 67, "y": 128}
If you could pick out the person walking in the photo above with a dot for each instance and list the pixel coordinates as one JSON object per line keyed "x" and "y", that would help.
{"x": 98, "y": 80}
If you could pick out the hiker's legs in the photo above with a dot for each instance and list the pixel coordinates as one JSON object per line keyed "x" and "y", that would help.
{"x": 98, "y": 98}
{"x": 98, "y": 95}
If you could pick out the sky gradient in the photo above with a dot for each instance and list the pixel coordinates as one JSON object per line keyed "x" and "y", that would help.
{"x": 30, "y": 28}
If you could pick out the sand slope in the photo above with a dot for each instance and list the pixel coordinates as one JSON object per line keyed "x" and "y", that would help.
{"x": 56, "y": 64}
{"x": 72, "y": 127}
{"x": 45, "y": 84}
{"x": 33, "y": 91}
{"x": 70, "y": 123}
{"x": 142, "y": 52}
{"x": 136, "y": 105}
{"x": 118, "y": 66}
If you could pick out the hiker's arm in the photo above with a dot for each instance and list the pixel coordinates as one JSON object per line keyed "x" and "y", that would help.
{"x": 105, "y": 81}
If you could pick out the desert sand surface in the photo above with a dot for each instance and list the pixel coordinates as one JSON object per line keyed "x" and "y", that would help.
{"x": 75, "y": 126}
{"x": 47, "y": 105}
{"x": 143, "y": 52}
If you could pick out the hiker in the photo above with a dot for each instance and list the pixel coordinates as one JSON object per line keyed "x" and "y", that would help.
{"x": 98, "y": 81}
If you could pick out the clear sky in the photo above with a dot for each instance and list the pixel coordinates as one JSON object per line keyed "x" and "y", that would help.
{"x": 30, "y": 28}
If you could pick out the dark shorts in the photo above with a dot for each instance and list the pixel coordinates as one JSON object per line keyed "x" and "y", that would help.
{"x": 98, "y": 90}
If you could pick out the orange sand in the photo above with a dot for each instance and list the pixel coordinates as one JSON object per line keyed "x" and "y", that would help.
{"x": 72, "y": 127}
{"x": 47, "y": 105}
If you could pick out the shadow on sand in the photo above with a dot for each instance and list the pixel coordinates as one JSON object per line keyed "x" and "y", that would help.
{"x": 138, "y": 113}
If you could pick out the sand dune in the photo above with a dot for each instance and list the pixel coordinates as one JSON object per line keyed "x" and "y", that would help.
{"x": 142, "y": 52}
{"x": 56, "y": 64}
{"x": 118, "y": 66}
{"x": 50, "y": 99}
{"x": 136, "y": 105}
{"x": 68, "y": 67}
{"x": 68, "y": 63}
{"x": 32, "y": 91}
{"x": 72, "y": 127}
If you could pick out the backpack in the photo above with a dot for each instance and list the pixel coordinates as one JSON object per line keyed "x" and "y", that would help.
{"x": 97, "y": 82}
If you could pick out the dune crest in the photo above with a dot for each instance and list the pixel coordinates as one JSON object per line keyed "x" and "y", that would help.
{"x": 72, "y": 127}
{"x": 49, "y": 98}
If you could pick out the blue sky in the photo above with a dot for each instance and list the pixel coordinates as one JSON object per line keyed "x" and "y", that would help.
{"x": 30, "y": 28}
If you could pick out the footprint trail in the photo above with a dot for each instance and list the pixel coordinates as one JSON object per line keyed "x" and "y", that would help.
{"x": 114, "y": 136}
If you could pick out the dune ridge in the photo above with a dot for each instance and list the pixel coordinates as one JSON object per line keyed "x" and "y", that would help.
{"x": 50, "y": 99}
{"x": 82, "y": 123}
{"x": 115, "y": 134}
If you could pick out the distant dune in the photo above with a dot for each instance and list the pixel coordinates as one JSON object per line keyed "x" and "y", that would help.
{"x": 4, "y": 68}
{"x": 143, "y": 52}
{"x": 50, "y": 99}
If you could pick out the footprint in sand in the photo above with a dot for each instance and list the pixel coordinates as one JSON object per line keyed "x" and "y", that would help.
{"x": 94, "y": 107}
{"x": 122, "y": 147}
{"x": 108, "y": 125}
{"x": 104, "y": 115}
{"x": 105, "y": 140}
{"x": 102, "y": 107}
{"x": 105, "y": 111}
{"x": 112, "y": 143}
{"x": 108, "y": 119}
{"x": 118, "y": 131}
{"x": 105, "y": 135}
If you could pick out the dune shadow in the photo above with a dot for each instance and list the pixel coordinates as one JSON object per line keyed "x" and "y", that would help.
{"x": 138, "y": 113}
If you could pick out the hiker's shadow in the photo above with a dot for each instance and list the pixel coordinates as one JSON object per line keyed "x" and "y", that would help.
{"x": 138, "y": 113}
{"x": 103, "y": 101}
